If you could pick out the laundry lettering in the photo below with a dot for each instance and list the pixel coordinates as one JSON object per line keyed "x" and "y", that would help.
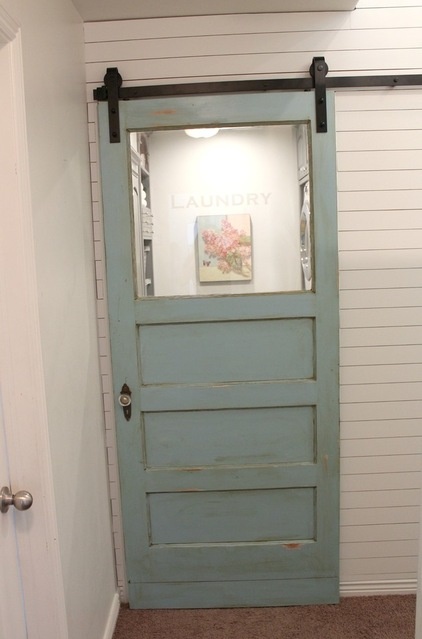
{"x": 218, "y": 200}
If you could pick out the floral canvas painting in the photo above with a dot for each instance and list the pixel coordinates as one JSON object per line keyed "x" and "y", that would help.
{"x": 224, "y": 248}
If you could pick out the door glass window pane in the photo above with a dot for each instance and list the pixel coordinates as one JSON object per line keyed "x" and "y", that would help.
{"x": 229, "y": 213}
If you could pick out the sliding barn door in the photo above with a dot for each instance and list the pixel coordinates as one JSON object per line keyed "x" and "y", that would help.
{"x": 222, "y": 292}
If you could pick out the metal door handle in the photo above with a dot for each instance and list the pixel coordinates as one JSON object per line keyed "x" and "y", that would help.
{"x": 125, "y": 401}
{"x": 22, "y": 500}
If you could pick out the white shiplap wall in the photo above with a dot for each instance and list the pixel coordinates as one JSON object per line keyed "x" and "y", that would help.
{"x": 380, "y": 255}
{"x": 379, "y": 144}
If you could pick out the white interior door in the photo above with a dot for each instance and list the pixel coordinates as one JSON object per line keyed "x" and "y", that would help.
{"x": 12, "y": 614}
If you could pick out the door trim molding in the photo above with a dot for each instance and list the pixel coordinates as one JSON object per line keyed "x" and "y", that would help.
{"x": 8, "y": 27}
{"x": 23, "y": 387}
{"x": 112, "y": 617}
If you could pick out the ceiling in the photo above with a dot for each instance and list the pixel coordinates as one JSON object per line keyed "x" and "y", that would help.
{"x": 98, "y": 10}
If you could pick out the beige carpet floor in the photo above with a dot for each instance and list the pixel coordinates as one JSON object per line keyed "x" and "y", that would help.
{"x": 389, "y": 617}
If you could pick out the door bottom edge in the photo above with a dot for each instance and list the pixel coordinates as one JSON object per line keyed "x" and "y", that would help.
{"x": 239, "y": 594}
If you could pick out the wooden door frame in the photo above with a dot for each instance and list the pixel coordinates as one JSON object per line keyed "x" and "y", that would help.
{"x": 22, "y": 375}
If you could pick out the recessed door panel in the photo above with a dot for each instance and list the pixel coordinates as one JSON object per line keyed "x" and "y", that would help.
{"x": 227, "y": 352}
{"x": 234, "y": 437}
{"x": 232, "y": 516}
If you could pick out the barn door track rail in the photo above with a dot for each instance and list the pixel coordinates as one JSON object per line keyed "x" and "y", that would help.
{"x": 112, "y": 91}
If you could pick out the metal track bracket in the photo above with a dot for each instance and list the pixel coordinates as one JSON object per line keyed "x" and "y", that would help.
{"x": 318, "y": 71}
{"x": 112, "y": 91}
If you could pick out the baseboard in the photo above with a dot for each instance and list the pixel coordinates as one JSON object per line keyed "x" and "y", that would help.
{"x": 347, "y": 589}
{"x": 367, "y": 588}
{"x": 112, "y": 617}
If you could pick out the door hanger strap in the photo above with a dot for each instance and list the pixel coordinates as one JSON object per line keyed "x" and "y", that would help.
{"x": 318, "y": 71}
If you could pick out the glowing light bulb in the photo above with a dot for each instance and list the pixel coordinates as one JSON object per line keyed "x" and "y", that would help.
{"x": 201, "y": 133}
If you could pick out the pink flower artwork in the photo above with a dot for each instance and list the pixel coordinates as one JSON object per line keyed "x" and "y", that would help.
{"x": 224, "y": 248}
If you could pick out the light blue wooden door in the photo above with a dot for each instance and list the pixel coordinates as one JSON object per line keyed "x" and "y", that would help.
{"x": 229, "y": 463}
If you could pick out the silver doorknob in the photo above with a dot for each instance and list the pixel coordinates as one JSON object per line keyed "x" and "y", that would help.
{"x": 22, "y": 500}
{"x": 125, "y": 399}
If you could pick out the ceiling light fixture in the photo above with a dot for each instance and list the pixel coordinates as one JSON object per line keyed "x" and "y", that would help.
{"x": 201, "y": 133}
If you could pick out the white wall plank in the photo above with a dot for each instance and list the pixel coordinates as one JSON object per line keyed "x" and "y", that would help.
{"x": 379, "y": 160}
{"x": 380, "y": 180}
{"x": 354, "y": 318}
{"x": 385, "y": 428}
{"x": 377, "y": 120}
{"x": 248, "y": 43}
{"x": 379, "y": 200}
{"x": 379, "y": 566}
{"x": 408, "y": 60}
{"x": 379, "y": 140}
{"x": 217, "y": 25}
{"x": 386, "y": 446}
{"x": 381, "y": 355}
{"x": 380, "y": 498}
{"x": 362, "y": 550}
{"x": 376, "y": 220}
{"x": 393, "y": 532}
{"x": 380, "y": 336}
{"x": 394, "y": 18}
{"x": 376, "y": 516}
{"x": 385, "y": 410}
{"x": 381, "y": 298}
{"x": 386, "y": 464}
{"x": 382, "y": 239}
{"x": 358, "y": 259}
{"x": 350, "y": 375}
{"x": 351, "y": 482}
{"x": 377, "y": 278}
{"x": 379, "y": 101}
{"x": 386, "y": 392}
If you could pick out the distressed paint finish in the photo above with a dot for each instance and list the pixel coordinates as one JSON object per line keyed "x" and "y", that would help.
{"x": 261, "y": 526}
{"x": 176, "y": 438}
{"x": 282, "y": 349}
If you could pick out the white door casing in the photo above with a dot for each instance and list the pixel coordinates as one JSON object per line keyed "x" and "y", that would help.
{"x": 32, "y": 535}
